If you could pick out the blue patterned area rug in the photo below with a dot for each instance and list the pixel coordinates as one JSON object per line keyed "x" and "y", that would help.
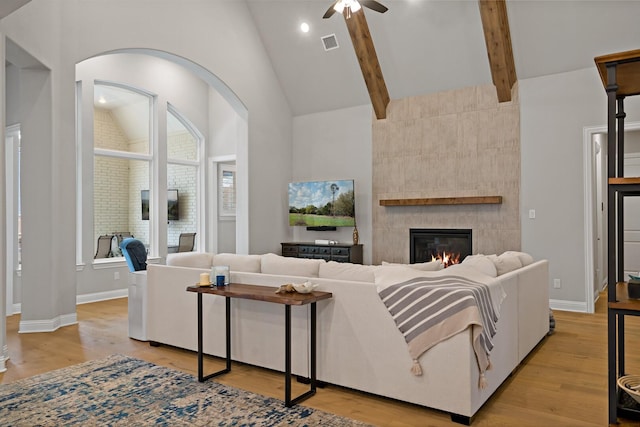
{"x": 121, "y": 390}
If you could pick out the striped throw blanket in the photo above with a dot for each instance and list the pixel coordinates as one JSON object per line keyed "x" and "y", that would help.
{"x": 428, "y": 310}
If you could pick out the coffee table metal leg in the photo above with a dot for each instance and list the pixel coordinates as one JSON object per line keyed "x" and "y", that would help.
{"x": 313, "y": 338}
{"x": 288, "y": 402}
{"x": 287, "y": 356}
{"x": 227, "y": 307}
{"x": 200, "y": 362}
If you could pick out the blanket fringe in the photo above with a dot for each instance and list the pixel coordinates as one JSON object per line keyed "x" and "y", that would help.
{"x": 482, "y": 383}
{"x": 416, "y": 369}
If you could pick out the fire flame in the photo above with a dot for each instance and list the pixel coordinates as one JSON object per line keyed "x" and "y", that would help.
{"x": 446, "y": 259}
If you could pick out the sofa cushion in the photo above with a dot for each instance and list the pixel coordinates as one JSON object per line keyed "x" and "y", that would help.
{"x": 505, "y": 263}
{"x": 389, "y": 274}
{"x": 482, "y": 264}
{"x": 237, "y": 262}
{"x": 289, "y": 266}
{"x": 347, "y": 271}
{"x": 524, "y": 257}
{"x": 422, "y": 266}
{"x": 190, "y": 259}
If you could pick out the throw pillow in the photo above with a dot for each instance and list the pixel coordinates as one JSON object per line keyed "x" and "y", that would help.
{"x": 505, "y": 263}
{"x": 236, "y": 262}
{"x": 347, "y": 271}
{"x": 524, "y": 257}
{"x": 422, "y": 266}
{"x": 190, "y": 259}
{"x": 289, "y": 266}
{"x": 482, "y": 264}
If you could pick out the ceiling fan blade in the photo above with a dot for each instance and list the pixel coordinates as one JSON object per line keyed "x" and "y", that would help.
{"x": 374, "y": 5}
{"x": 330, "y": 11}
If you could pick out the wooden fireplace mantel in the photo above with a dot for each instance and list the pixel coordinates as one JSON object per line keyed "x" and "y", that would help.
{"x": 435, "y": 201}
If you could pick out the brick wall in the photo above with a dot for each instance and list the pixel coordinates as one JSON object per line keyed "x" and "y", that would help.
{"x": 111, "y": 175}
{"x": 118, "y": 182}
{"x": 182, "y": 145}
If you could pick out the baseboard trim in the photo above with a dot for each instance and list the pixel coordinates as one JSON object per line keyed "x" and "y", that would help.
{"x": 562, "y": 305}
{"x": 50, "y": 325}
{"x": 86, "y": 298}
{"x": 102, "y": 296}
{"x": 4, "y": 356}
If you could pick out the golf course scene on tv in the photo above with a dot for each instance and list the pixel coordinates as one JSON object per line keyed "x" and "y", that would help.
{"x": 322, "y": 203}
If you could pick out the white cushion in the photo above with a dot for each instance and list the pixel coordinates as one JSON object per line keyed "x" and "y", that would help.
{"x": 422, "y": 266}
{"x": 190, "y": 259}
{"x": 289, "y": 266}
{"x": 236, "y": 262}
{"x": 347, "y": 271}
{"x": 482, "y": 264}
{"x": 389, "y": 274}
{"x": 505, "y": 263}
{"x": 524, "y": 257}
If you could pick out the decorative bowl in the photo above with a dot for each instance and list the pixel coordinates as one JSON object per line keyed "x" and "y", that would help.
{"x": 631, "y": 385}
{"x": 305, "y": 287}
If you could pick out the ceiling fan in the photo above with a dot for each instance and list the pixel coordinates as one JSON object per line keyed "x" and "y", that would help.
{"x": 353, "y": 6}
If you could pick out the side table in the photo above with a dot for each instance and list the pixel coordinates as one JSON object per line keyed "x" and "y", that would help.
{"x": 266, "y": 294}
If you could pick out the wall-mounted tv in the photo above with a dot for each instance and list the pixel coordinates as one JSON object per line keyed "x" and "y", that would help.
{"x": 173, "y": 211}
{"x": 322, "y": 204}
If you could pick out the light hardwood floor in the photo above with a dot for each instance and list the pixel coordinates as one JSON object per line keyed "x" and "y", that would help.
{"x": 563, "y": 382}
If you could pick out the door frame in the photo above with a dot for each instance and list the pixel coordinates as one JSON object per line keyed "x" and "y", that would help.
{"x": 589, "y": 201}
{"x": 12, "y": 139}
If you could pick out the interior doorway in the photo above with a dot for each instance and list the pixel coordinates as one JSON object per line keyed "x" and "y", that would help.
{"x": 596, "y": 209}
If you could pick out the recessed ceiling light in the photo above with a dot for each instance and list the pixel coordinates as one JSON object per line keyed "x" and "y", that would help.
{"x": 101, "y": 100}
{"x": 304, "y": 27}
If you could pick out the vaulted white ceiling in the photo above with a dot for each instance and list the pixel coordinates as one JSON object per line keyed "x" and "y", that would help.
{"x": 428, "y": 46}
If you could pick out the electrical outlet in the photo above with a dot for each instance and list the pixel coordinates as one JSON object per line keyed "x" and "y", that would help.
{"x": 532, "y": 214}
{"x": 556, "y": 283}
{"x": 116, "y": 275}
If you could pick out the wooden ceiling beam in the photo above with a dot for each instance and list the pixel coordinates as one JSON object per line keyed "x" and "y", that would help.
{"x": 498, "y": 40}
{"x": 368, "y": 59}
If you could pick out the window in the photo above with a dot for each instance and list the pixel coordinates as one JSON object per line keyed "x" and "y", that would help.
{"x": 227, "y": 190}
{"x": 122, "y": 164}
{"x": 183, "y": 175}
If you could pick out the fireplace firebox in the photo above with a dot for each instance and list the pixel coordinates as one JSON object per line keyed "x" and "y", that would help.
{"x": 427, "y": 244}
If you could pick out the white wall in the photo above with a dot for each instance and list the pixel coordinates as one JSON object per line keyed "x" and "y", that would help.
{"x": 61, "y": 33}
{"x": 226, "y": 130}
{"x": 554, "y": 111}
{"x": 335, "y": 145}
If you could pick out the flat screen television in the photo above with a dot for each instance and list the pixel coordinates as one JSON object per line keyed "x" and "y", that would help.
{"x": 173, "y": 211}
{"x": 322, "y": 204}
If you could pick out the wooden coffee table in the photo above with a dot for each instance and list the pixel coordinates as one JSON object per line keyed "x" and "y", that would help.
{"x": 266, "y": 294}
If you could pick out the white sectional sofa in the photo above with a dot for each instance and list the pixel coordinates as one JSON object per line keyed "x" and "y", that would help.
{"x": 359, "y": 345}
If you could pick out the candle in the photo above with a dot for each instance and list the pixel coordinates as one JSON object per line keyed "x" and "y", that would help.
{"x": 205, "y": 279}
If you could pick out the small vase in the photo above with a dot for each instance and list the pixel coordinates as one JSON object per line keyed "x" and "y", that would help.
{"x": 356, "y": 236}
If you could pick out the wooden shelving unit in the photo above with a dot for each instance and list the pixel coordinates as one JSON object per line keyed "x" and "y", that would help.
{"x": 620, "y": 74}
{"x": 439, "y": 201}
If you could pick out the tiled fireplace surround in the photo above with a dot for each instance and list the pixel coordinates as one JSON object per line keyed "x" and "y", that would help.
{"x": 450, "y": 144}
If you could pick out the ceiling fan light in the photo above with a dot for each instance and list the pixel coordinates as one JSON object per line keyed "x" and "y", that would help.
{"x": 355, "y": 6}
{"x": 339, "y": 7}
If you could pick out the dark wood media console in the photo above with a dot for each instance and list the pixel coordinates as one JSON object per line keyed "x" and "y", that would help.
{"x": 336, "y": 252}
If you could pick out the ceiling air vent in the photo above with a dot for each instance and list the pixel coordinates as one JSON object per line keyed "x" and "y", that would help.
{"x": 330, "y": 42}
